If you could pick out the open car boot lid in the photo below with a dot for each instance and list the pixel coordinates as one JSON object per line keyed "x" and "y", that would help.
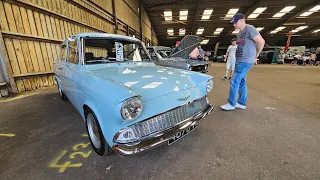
{"x": 186, "y": 46}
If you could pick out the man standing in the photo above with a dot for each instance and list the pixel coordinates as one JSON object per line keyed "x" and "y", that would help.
{"x": 201, "y": 53}
{"x": 250, "y": 44}
{"x": 231, "y": 56}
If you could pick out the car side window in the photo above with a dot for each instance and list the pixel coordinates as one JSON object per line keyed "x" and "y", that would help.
{"x": 152, "y": 54}
{"x": 63, "y": 53}
{"x": 72, "y": 52}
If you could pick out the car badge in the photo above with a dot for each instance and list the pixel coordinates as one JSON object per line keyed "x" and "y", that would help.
{"x": 183, "y": 98}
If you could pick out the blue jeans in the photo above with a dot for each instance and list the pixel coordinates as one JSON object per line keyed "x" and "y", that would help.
{"x": 238, "y": 84}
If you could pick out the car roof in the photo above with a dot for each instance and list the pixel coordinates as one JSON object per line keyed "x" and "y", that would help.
{"x": 106, "y": 35}
{"x": 160, "y": 47}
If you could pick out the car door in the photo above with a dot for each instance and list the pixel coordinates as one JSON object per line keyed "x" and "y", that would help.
{"x": 71, "y": 70}
{"x": 59, "y": 66}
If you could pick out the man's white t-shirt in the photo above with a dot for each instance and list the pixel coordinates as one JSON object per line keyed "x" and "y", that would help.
{"x": 232, "y": 52}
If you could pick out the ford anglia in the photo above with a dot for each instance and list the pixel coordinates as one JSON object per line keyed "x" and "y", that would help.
{"x": 128, "y": 103}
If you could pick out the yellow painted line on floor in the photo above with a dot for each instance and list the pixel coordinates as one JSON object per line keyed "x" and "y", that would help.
{"x": 7, "y": 135}
{"x": 84, "y": 135}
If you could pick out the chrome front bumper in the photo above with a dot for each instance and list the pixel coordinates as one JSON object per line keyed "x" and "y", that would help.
{"x": 159, "y": 138}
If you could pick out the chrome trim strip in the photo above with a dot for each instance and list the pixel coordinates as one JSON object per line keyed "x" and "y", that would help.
{"x": 159, "y": 138}
{"x": 158, "y": 115}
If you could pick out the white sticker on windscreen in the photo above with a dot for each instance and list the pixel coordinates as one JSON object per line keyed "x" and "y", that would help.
{"x": 119, "y": 51}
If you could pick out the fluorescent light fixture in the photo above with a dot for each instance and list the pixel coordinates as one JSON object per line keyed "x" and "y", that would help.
{"x": 170, "y": 30}
{"x": 205, "y": 17}
{"x": 280, "y": 28}
{"x": 205, "y": 41}
{"x": 232, "y": 12}
{"x": 302, "y": 27}
{"x": 299, "y": 29}
{"x": 182, "y": 31}
{"x": 183, "y": 18}
{"x": 171, "y": 34}
{"x": 259, "y": 10}
{"x": 252, "y": 16}
{"x": 235, "y": 31}
{"x": 273, "y": 32}
{"x": 287, "y": 9}
{"x": 280, "y": 14}
{"x": 318, "y": 30}
{"x": 316, "y": 8}
{"x": 200, "y": 30}
{"x": 183, "y": 15}
{"x": 167, "y": 15}
{"x": 207, "y": 13}
{"x": 260, "y": 28}
{"x": 219, "y": 29}
{"x": 306, "y": 14}
{"x": 312, "y": 10}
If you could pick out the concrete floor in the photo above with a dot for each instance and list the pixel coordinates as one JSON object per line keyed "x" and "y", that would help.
{"x": 277, "y": 137}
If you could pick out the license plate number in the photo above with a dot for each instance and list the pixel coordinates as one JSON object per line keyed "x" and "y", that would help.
{"x": 181, "y": 134}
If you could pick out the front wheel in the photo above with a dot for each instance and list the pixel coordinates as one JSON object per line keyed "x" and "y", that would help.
{"x": 98, "y": 143}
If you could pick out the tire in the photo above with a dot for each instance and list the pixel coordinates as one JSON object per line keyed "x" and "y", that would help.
{"x": 99, "y": 144}
{"x": 61, "y": 93}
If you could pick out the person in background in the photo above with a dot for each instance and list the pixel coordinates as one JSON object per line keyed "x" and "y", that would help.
{"x": 206, "y": 58}
{"x": 201, "y": 53}
{"x": 317, "y": 59}
{"x": 194, "y": 54}
{"x": 250, "y": 44}
{"x": 230, "y": 57}
{"x": 304, "y": 60}
{"x": 177, "y": 43}
{"x": 295, "y": 59}
{"x": 312, "y": 59}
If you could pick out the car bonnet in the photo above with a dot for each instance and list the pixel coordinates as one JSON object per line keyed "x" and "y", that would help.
{"x": 148, "y": 81}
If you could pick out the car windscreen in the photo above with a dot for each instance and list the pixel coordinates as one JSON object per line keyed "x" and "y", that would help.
{"x": 106, "y": 50}
{"x": 164, "y": 53}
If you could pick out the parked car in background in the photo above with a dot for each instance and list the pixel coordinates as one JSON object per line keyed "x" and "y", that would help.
{"x": 179, "y": 56}
{"x": 120, "y": 93}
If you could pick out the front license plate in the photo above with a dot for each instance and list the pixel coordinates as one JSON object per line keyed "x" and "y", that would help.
{"x": 193, "y": 108}
{"x": 180, "y": 134}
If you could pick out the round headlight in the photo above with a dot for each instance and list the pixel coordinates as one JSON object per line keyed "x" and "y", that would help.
{"x": 209, "y": 85}
{"x": 131, "y": 108}
{"x": 190, "y": 68}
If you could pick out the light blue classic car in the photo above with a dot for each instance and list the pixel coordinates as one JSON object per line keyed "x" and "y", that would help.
{"x": 129, "y": 104}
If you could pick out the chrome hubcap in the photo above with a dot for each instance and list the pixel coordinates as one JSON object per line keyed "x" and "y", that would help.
{"x": 93, "y": 131}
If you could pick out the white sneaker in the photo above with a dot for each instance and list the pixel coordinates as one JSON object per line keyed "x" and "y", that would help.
{"x": 241, "y": 106}
{"x": 227, "y": 107}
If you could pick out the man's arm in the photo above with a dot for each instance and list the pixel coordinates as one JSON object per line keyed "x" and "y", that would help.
{"x": 225, "y": 56}
{"x": 259, "y": 44}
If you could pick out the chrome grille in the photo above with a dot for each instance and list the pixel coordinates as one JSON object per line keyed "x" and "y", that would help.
{"x": 166, "y": 120}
